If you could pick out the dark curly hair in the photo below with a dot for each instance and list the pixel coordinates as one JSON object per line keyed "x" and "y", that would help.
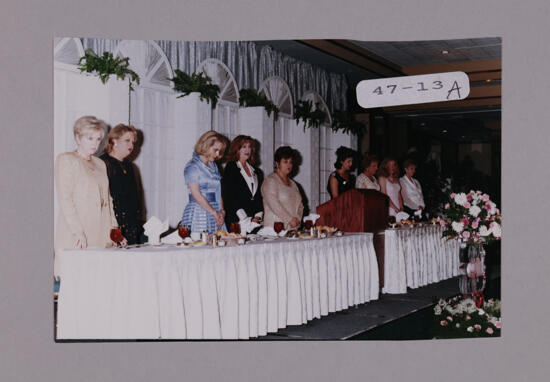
{"x": 343, "y": 153}
{"x": 284, "y": 152}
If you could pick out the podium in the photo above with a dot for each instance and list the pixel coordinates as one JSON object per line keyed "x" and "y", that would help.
{"x": 359, "y": 210}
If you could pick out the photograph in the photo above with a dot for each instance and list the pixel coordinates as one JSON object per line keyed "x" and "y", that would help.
{"x": 276, "y": 190}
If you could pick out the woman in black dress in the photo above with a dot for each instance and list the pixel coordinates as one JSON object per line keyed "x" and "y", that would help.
{"x": 341, "y": 180}
{"x": 122, "y": 181}
{"x": 242, "y": 181}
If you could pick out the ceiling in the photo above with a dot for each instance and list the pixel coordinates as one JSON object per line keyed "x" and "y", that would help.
{"x": 479, "y": 58}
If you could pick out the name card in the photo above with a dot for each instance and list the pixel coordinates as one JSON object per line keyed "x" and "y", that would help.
{"x": 408, "y": 90}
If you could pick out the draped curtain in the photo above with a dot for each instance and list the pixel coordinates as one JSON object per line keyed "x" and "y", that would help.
{"x": 250, "y": 65}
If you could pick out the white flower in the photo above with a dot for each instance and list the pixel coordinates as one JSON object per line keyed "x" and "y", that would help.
{"x": 483, "y": 231}
{"x": 460, "y": 198}
{"x": 481, "y": 312}
{"x": 470, "y": 329}
{"x": 457, "y": 226}
{"x": 458, "y": 325}
{"x": 496, "y": 230}
{"x": 437, "y": 310}
{"x": 474, "y": 211}
{"x": 493, "y": 209}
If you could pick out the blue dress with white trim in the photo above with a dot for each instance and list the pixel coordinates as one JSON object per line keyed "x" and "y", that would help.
{"x": 209, "y": 181}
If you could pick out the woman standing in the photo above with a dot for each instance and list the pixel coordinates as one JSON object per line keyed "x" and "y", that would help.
{"x": 389, "y": 184}
{"x": 341, "y": 180}
{"x": 122, "y": 181}
{"x": 86, "y": 213}
{"x": 241, "y": 181}
{"x": 205, "y": 212}
{"x": 411, "y": 191}
{"x": 282, "y": 199}
{"x": 367, "y": 180}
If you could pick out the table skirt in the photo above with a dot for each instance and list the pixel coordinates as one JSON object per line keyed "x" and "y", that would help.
{"x": 417, "y": 256}
{"x": 211, "y": 293}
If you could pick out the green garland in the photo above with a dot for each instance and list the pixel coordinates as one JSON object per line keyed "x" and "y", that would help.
{"x": 201, "y": 83}
{"x": 311, "y": 118}
{"x": 342, "y": 120}
{"x": 107, "y": 65}
{"x": 250, "y": 98}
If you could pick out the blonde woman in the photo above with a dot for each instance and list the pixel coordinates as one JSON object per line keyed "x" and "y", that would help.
{"x": 122, "y": 181}
{"x": 205, "y": 212}
{"x": 85, "y": 207}
{"x": 388, "y": 178}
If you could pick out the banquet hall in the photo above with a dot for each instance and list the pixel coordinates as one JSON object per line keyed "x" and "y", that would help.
{"x": 376, "y": 282}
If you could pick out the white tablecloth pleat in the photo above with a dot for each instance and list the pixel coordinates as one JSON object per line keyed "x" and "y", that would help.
{"x": 211, "y": 293}
{"x": 417, "y": 256}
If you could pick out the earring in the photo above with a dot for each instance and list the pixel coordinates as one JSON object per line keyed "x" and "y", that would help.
{"x": 115, "y": 144}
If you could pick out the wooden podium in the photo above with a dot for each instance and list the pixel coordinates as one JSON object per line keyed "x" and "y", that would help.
{"x": 359, "y": 211}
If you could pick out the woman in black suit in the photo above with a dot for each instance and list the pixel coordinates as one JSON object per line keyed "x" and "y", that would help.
{"x": 242, "y": 181}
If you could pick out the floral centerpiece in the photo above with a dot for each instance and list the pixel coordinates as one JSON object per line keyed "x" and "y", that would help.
{"x": 459, "y": 318}
{"x": 472, "y": 218}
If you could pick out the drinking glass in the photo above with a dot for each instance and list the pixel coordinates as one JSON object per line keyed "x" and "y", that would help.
{"x": 278, "y": 226}
{"x": 116, "y": 235}
{"x": 183, "y": 231}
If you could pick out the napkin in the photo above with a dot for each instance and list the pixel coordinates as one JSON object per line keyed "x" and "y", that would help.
{"x": 154, "y": 228}
{"x": 401, "y": 216}
{"x": 312, "y": 217}
{"x": 418, "y": 212}
{"x": 247, "y": 225}
{"x": 269, "y": 231}
{"x": 173, "y": 238}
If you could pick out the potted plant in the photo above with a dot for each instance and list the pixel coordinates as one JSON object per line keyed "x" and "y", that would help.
{"x": 196, "y": 83}
{"x": 107, "y": 65}
{"x": 311, "y": 118}
{"x": 251, "y": 98}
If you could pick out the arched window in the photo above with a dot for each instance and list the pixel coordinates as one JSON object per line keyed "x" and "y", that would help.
{"x": 221, "y": 76}
{"x": 318, "y": 103}
{"x": 278, "y": 92}
{"x": 67, "y": 50}
{"x": 148, "y": 60}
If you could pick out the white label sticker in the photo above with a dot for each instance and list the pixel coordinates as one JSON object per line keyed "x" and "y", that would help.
{"x": 408, "y": 90}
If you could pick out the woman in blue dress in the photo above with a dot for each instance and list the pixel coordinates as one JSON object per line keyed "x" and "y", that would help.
{"x": 205, "y": 212}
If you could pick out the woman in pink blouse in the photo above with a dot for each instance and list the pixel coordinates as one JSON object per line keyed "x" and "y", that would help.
{"x": 282, "y": 199}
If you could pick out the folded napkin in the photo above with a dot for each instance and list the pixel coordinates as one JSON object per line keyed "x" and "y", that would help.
{"x": 401, "y": 216}
{"x": 173, "y": 238}
{"x": 247, "y": 225}
{"x": 418, "y": 212}
{"x": 154, "y": 228}
{"x": 312, "y": 217}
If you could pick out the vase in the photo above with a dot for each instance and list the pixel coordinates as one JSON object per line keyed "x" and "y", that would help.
{"x": 472, "y": 259}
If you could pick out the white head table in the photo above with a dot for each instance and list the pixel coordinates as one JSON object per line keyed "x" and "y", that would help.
{"x": 417, "y": 256}
{"x": 237, "y": 292}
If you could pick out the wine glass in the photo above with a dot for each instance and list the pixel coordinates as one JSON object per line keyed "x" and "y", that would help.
{"x": 391, "y": 221}
{"x": 278, "y": 227}
{"x": 235, "y": 228}
{"x": 183, "y": 231}
{"x": 116, "y": 235}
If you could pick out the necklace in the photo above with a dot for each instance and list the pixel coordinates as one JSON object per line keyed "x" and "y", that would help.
{"x": 83, "y": 157}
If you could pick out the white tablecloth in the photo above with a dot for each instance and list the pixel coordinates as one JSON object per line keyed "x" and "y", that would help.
{"x": 211, "y": 293}
{"x": 417, "y": 256}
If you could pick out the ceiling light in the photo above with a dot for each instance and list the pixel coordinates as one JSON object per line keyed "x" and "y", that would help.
{"x": 444, "y": 52}
{"x": 444, "y": 131}
{"x": 488, "y": 80}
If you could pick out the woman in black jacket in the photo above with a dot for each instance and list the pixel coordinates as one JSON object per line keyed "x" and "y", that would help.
{"x": 242, "y": 181}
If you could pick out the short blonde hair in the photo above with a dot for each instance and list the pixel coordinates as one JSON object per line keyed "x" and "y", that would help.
{"x": 117, "y": 132}
{"x": 88, "y": 124}
{"x": 208, "y": 140}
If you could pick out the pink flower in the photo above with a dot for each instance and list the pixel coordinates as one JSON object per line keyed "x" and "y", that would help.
{"x": 442, "y": 223}
{"x": 477, "y": 327}
{"x": 449, "y": 318}
{"x": 497, "y": 324}
{"x": 485, "y": 198}
{"x": 489, "y": 331}
{"x": 469, "y": 196}
{"x": 465, "y": 234}
{"x": 444, "y": 323}
{"x": 447, "y": 206}
{"x": 475, "y": 223}
{"x": 468, "y": 318}
{"x": 453, "y": 195}
{"x": 488, "y": 207}
{"x": 467, "y": 205}
{"x": 465, "y": 221}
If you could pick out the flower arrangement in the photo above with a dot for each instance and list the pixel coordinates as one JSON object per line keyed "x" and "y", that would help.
{"x": 471, "y": 218}
{"x": 107, "y": 65}
{"x": 459, "y": 318}
{"x": 201, "y": 83}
